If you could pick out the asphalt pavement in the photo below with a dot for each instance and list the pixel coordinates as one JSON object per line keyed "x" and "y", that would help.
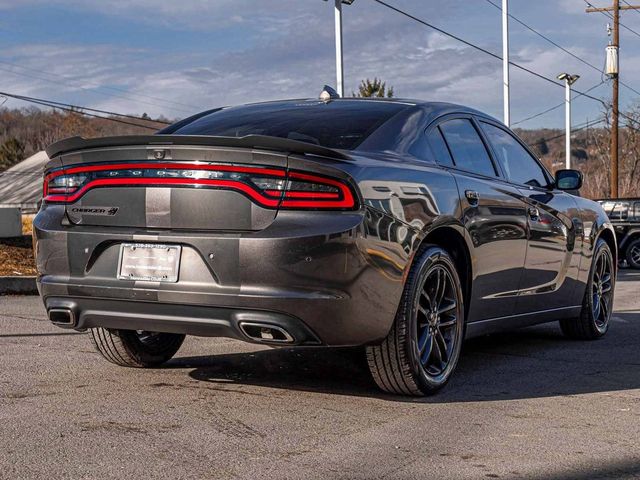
{"x": 527, "y": 404}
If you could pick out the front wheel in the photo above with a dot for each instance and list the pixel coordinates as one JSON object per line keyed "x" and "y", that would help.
{"x": 422, "y": 349}
{"x": 131, "y": 348}
{"x": 597, "y": 304}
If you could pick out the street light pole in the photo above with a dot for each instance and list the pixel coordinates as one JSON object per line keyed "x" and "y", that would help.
{"x": 339, "y": 57}
{"x": 338, "y": 33}
{"x": 568, "y": 81}
{"x": 505, "y": 62}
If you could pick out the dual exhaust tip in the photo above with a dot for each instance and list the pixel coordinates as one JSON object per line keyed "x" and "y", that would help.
{"x": 256, "y": 331}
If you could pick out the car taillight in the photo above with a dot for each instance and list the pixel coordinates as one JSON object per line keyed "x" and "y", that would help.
{"x": 308, "y": 191}
{"x": 269, "y": 187}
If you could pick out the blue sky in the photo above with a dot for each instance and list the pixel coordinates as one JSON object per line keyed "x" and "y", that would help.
{"x": 177, "y": 58}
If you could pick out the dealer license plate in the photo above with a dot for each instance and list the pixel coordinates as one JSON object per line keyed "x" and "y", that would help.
{"x": 150, "y": 262}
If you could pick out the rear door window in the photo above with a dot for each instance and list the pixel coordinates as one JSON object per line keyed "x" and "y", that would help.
{"x": 467, "y": 148}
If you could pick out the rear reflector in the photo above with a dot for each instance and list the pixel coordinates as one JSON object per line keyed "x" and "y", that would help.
{"x": 269, "y": 187}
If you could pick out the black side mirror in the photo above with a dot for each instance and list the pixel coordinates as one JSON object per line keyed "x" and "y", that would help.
{"x": 568, "y": 180}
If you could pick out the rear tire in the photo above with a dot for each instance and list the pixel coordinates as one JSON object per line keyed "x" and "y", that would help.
{"x": 597, "y": 305}
{"x": 632, "y": 254}
{"x": 130, "y": 348}
{"x": 422, "y": 349}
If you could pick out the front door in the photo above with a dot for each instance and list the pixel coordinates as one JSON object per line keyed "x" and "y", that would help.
{"x": 552, "y": 264}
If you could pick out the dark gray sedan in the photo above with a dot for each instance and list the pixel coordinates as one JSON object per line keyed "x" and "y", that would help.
{"x": 399, "y": 225}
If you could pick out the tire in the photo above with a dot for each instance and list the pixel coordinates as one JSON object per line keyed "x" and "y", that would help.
{"x": 398, "y": 364}
{"x": 632, "y": 254}
{"x": 130, "y": 348}
{"x": 597, "y": 305}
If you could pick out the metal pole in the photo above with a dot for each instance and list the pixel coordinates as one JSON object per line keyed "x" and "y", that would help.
{"x": 339, "y": 65}
{"x": 614, "y": 123}
{"x": 567, "y": 124}
{"x": 505, "y": 62}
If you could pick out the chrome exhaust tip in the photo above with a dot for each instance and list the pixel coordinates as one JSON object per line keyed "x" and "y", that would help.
{"x": 265, "y": 333}
{"x": 62, "y": 317}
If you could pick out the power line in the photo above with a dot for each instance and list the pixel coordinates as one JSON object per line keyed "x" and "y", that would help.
{"x": 498, "y": 57}
{"x": 627, "y": 3}
{"x": 483, "y": 50}
{"x": 66, "y": 84}
{"x": 77, "y": 112}
{"x": 577, "y": 128}
{"x": 607, "y": 14}
{"x": 555, "y": 44}
{"x": 106, "y": 87}
{"x": 79, "y": 107}
{"x": 469, "y": 44}
{"x": 548, "y": 39}
{"x": 555, "y": 107}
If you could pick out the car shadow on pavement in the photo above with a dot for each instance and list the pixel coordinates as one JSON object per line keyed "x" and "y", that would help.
{"x": 612, "y": 470}
{"x": 529, "y": 363}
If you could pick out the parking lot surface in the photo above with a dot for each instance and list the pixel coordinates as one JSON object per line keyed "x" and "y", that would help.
{"x": 528, "y": 404}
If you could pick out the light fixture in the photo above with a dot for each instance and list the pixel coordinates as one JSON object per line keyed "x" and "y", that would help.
{"x": 567, "y": 77}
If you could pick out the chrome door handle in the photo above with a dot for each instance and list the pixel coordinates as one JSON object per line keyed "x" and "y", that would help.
{"x": 534, "y": 213}
{"x": 472, "y": 196}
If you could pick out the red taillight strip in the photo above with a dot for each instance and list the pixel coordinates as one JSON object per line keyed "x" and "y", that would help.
{"x": 121, "y": 182}
{"x": 272, "y": 172}
{"x": 298, "y": 194}
{"x": 292, "y": 199}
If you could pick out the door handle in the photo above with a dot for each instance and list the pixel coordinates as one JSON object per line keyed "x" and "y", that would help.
{"x": 534, "y": 213}
{"x": 472, "y": 196}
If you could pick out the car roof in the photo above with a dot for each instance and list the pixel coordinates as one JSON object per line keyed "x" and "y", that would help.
{"x": 407, "y": 101}
{"x": 433, "y": 109}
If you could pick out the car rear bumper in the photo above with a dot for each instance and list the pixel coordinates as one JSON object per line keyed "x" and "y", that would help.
{"x": 326, "y": 278}
{"x": 241, "y": 324}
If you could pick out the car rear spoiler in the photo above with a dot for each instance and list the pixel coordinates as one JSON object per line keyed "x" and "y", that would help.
{"x": 250, "y": 141}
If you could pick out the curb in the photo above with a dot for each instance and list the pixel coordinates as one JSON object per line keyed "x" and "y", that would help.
{"x": 18, "y": 286}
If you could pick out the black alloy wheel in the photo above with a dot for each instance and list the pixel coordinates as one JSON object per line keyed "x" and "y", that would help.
{"x": 422, "y": 349}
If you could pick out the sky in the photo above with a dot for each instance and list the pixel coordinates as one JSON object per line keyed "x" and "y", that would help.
{"x": 176, "y": 58}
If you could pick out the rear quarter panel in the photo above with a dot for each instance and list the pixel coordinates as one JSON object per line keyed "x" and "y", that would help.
{"x": 403, "y": 200}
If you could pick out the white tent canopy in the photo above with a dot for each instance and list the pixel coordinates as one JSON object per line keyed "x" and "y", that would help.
{"x": 21, "y": 185}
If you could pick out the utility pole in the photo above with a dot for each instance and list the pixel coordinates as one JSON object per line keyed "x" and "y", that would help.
{"x": 615, "y": 8}
{"x": 505, "y": 62}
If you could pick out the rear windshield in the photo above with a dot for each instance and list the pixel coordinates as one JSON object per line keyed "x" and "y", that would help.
{"x": 339, "y": 124}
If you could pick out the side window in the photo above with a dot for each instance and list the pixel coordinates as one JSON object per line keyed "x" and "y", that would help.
{"x": 519, "y": 166}
{"x": 439, "y": 147}
{"x": 469, "y": 153}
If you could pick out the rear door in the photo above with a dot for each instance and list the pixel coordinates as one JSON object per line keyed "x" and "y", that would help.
{"x": 493, "y": 213}
{"x": 553, "y": 220}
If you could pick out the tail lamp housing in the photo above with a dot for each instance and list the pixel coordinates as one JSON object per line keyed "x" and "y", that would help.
{"x": 269, "y": 187}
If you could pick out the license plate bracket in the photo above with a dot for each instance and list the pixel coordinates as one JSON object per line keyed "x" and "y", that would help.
{"x": 149, "y": 262}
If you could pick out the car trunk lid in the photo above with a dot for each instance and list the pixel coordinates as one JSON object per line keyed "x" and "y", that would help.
{"x": 179, "y": 182}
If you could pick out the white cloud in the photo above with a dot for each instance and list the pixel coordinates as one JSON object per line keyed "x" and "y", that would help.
{"x": 287, "y": 51}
